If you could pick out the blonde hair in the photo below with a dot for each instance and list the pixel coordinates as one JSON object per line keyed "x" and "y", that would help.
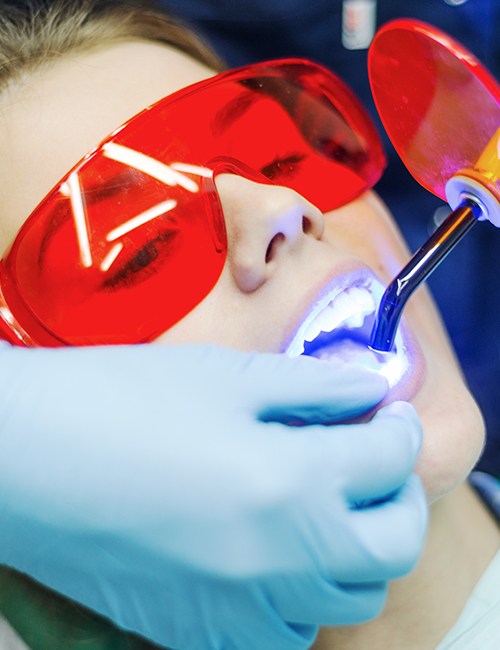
{"x": 33, "y": 33}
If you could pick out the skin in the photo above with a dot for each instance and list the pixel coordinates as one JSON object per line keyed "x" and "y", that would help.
{"x": 308, "y": 249}
{"x": 281, "y": 252}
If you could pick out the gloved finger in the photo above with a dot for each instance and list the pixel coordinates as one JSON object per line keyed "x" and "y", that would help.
{"x": 308, "y": 391}
{"x": 376, "y": 457}
{"x": 231, "y": 615}
{"x": 323, "y": 601}
{"x": 384, "y": 541}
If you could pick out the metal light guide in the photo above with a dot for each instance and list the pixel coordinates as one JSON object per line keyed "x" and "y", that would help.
{"x": 441, "y": 110}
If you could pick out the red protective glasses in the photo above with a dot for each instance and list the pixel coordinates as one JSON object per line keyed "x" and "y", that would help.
{"x": 133, "y": 237}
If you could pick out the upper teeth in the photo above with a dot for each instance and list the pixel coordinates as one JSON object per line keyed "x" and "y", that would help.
{"x": 346, "y": 308}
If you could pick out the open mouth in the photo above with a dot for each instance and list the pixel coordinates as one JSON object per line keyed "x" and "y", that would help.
{"x": 339, "y": 328}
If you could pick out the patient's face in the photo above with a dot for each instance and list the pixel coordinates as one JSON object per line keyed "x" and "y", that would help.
{"x": 285, "y": 259}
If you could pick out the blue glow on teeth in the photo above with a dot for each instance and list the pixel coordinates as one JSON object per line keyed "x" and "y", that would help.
{"x": 345, "y": 308}
{"x": 344, "y": 312}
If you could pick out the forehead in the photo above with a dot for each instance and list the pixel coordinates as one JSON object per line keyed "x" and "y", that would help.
{"x": 54, "y": 116}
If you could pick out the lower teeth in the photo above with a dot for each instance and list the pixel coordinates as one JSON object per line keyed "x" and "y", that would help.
{"x": 392, "y": 365}
{"x": 349, "y": 351}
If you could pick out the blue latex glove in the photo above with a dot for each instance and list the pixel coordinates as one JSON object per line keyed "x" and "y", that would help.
{"x": 162, "y": 487}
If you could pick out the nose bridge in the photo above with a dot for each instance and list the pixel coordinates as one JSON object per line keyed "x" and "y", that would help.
{"x": 264, "y": 223}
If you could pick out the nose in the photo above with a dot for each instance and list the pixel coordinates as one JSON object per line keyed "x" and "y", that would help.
{"x": 264, "y": 223}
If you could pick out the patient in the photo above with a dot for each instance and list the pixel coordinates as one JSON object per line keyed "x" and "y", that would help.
{"x": 296, "y": 264}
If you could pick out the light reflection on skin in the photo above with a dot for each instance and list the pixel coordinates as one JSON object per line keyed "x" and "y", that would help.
{"x": 269, "y": 282}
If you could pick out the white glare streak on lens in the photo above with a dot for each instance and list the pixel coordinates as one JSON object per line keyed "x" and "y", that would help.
{"x": 148, "y": 165}
{"x": 80, "y": 217}
{"x": 141, "y": 219}
{"x": 111, "y": 257}
{"x": 205, "y": 172}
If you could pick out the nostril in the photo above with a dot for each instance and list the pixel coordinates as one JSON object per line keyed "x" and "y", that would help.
{"x": 313, "y": 223}
{"x": 273, "y": 245}
{"x": 307, "y": 225}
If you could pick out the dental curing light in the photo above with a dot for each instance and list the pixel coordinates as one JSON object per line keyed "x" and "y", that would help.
{"x": 441, "y": 110}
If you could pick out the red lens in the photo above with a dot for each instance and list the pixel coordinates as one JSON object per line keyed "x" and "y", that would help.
{"x": 439, "y": 105}
{"x": 133, "y": 238}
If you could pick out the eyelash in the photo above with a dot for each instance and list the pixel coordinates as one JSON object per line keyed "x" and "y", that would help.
{"x": 143, "y": 264}
{"x": 282, "y": 166}
{"x": 145, "y": 261}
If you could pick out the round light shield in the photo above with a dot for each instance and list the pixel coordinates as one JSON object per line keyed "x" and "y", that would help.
{"x": 437, "y": 102}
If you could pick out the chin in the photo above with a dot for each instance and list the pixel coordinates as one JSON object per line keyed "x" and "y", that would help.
{"x": 452, "y": 442}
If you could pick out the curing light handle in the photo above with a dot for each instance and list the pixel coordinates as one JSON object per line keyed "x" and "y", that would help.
{"x": 418, "y": 269}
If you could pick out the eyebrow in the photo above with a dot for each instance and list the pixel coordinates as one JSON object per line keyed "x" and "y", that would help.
{"x": 233, "y": 111}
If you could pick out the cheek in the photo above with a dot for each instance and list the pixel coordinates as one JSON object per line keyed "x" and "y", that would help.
{"x": 222, "y": 318}
{"x": 365, "y": 229}
{"x": 233, "y": 319}
{"x": 453, "y": 436}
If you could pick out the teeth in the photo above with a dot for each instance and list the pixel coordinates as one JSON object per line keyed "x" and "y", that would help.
{"x": 356, "y": 320}
{"x": 348, "y": 308}
{"x": 357, "y": 299}
{"x": 312, "y": 331}
{"x": 329, "y": 318}
{"x": 326, "y": 321}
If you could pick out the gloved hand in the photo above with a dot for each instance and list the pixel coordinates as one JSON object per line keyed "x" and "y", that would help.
{"x": 165, "y": 488}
